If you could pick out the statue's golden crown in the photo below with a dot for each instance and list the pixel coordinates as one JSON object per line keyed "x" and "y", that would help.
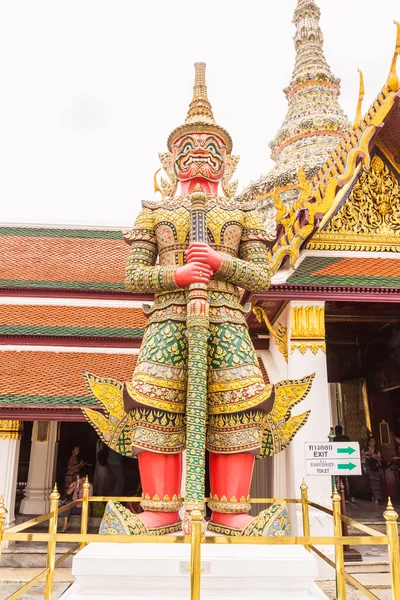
{"x": 200, "y": 118}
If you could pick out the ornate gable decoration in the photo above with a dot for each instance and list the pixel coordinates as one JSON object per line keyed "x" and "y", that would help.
{"x": 369, "y": 219}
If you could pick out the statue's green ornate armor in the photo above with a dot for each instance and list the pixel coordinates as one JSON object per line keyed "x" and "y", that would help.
{"x": 242, "y": 416}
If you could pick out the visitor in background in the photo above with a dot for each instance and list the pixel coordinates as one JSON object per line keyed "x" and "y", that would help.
{"x": 340, "y": 437}
{"x": 371, "y": 459}
{"x": 101, "y": 472}
{"x": 76, "y": 490}
{"x": 74, "y": 466}
{"x": 116, "y": 472}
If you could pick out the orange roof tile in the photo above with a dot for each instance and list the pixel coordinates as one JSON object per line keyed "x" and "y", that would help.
{"x": 366, "y": 267}
{"x": 59, "y": 320}
{"x": 97, "y": 262}
{"x": 354, "y": 271}
{"x": 59, "y": 373}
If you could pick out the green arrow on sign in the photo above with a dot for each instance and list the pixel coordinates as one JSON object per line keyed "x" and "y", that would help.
{"x": 347, "y": 450}
{"x": 347, "y": 466}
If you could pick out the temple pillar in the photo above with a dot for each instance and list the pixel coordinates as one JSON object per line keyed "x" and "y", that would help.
{"x": 306, "y": 355}
{"x": 42, "y": 466}
{"x": 10, "y": 436}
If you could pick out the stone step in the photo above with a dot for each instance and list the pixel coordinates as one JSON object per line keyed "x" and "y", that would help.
{"x": 23, "y": 575}
{"x": 31, "y": 555}
{"x": 6, "y": 589}
{"x": 375, "y": 580}
{"x": 366, "y": 567}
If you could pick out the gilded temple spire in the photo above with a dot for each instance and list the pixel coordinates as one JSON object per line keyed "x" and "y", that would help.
{"x": 314, "y": 113}
{"x": 314, "y": 123}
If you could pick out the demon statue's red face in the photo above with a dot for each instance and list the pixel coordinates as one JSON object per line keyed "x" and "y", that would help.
{"x": 199, "y": 158}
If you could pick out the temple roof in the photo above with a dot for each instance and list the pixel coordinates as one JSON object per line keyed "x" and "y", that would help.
{"x": 348, "y": 271}
{"x": 314, "y": 123}
{"x": 58, "y": 320}
{"x": 59, "y": 381}
{"x": 62, "y": 258}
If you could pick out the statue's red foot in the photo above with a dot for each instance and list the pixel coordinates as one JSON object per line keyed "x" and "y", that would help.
{"x": 272, "y": 521}
{"x": 153, "y": 519}
{"x": 235, "y": 521}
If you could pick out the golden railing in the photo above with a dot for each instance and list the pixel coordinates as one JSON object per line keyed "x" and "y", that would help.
{"x": 196, "y": 539}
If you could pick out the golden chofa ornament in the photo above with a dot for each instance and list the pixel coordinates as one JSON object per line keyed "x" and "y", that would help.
{"x": 200, "y": 118}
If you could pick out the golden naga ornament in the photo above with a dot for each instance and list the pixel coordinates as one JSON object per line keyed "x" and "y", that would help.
{"x": 279, "y": 335}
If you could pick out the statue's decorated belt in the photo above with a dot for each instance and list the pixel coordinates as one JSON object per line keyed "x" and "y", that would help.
{"x": 214, "y": 285}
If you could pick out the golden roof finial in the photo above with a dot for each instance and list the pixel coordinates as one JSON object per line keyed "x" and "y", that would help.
{"x": 200, "y": 116}
{"x": 393, "y": 81}
{"x": 200, "y": 105}
{"x": 361, "y": 92}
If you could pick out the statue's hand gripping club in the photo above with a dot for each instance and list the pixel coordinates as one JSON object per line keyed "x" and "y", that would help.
{"x": 203, "y": 253}
{"x": 196, "y": 271}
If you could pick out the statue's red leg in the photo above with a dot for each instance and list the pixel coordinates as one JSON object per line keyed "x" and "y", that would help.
{"x": 230, "y": 477}
{"x": 160, "y": 475}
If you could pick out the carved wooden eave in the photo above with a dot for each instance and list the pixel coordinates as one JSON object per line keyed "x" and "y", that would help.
{"x": 378, "y": 131}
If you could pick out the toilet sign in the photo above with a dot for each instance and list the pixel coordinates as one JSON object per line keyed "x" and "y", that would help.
{"x": 333, "y": 458}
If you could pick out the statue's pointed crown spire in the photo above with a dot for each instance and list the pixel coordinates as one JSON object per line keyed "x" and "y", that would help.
{"x": 200, "y": 106}
{"x": 200, "y": 118}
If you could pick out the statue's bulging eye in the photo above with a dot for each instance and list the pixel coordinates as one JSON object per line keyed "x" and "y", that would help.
{"x": 187, "y": 148}
{"x": 212, "y": 149}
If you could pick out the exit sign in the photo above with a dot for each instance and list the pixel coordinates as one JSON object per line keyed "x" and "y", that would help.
{"x": 333, "y": 458}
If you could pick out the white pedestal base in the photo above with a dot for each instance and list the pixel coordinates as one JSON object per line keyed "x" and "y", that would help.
{"x": 160, "y": 571}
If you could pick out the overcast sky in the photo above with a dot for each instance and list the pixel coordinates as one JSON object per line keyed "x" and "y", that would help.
{"x": 91, "y": 89}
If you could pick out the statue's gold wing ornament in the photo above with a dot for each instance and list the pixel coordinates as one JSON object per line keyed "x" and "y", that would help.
{"x": 281, "y": 425}
{"x": 122, "y": 431}
{"x": 113, "y": 427}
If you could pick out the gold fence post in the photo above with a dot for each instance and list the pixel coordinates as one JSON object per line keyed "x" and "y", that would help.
{"x": 305, "y": 511}
{"x": 3, "y": 513}
{"x": 51, "y": 546}
{"x": 195, "y": 552}
{"x": 85, "y": 510}
{"x": 339, "y": 551}
{"x": 391, "y": 517}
